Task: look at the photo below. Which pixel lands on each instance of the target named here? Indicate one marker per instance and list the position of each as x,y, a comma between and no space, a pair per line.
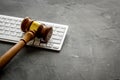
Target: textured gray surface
91,50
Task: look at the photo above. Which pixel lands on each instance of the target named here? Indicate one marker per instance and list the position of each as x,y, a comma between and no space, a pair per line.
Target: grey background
91,50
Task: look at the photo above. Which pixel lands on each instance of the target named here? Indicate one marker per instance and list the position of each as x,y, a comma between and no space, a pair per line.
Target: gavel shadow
27,51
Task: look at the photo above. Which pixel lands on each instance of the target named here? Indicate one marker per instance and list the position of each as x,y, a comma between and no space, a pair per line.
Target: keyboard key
1,31
7,29
56,46
19,34
1,27
56,37
60,30
12,29
55,41
49,45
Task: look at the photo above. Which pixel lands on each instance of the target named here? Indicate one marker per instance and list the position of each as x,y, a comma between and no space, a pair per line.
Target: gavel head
41,30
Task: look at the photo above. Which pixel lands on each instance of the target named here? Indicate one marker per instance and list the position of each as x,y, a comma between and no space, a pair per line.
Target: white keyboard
10,31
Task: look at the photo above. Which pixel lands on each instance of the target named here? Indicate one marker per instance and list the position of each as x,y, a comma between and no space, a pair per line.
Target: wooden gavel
32,29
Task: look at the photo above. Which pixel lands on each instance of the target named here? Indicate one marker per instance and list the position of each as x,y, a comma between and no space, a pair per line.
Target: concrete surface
91,50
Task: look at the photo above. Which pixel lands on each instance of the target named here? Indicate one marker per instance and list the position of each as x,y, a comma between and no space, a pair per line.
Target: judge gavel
32,29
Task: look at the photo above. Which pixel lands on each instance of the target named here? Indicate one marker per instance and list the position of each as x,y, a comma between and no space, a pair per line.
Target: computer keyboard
10,31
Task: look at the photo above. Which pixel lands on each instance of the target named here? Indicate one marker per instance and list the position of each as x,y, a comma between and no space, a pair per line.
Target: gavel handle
6,57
